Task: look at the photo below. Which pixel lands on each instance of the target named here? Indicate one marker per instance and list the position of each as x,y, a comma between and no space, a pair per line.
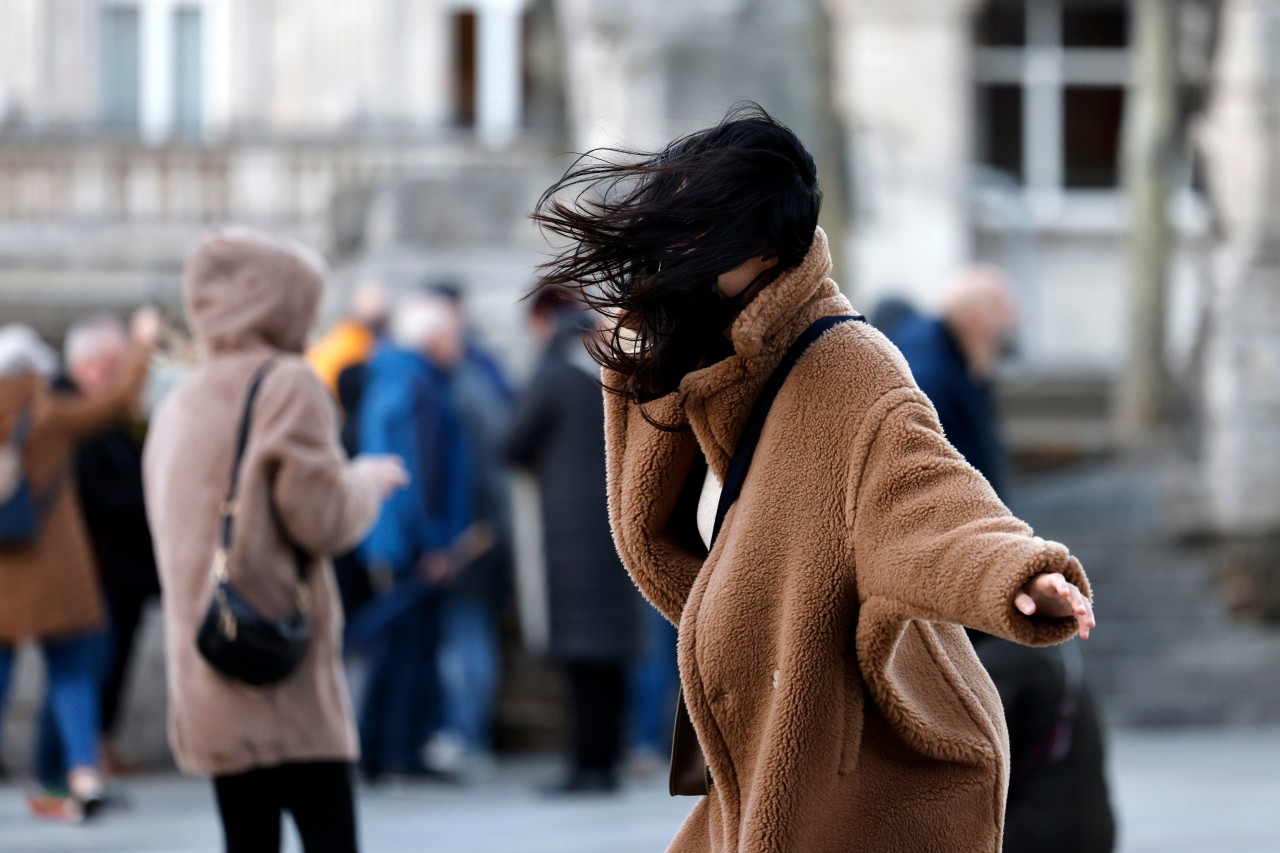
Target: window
121,71
464,68
187,70
1051,84
153,73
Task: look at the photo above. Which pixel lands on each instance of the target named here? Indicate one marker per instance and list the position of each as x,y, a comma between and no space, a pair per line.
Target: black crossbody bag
690,775
234,638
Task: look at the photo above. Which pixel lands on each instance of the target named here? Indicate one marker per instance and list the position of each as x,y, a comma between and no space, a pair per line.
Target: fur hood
834,691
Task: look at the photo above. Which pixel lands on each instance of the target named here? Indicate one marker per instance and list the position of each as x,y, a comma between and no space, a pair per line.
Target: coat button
777,677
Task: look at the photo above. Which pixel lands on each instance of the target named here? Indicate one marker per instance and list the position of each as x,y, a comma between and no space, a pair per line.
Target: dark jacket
483,402
1058,798
109,474
966,406
558,435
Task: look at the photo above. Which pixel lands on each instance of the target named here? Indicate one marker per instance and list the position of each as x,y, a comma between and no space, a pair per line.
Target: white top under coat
708,502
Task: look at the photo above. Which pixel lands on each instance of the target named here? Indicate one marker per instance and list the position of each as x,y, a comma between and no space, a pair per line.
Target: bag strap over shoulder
750,437
690,774
231,504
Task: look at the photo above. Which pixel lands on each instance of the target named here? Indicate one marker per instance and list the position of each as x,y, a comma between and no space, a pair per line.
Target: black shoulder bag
234,638
690,776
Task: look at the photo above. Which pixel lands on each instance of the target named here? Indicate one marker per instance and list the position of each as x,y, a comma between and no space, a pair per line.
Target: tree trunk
1150,129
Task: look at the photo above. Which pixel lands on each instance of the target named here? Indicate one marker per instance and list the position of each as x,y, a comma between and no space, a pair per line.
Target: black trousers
319,795
598,701
125,607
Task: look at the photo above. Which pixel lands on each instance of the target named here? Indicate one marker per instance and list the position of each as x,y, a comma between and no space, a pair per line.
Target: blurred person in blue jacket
421,537
1058,799
480,590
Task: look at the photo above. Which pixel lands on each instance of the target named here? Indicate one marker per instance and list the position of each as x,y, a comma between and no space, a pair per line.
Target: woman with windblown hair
823,660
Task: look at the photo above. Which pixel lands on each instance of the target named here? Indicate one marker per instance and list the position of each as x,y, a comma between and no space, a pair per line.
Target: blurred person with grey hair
1058,800
50,592
108,469
954,357
423,536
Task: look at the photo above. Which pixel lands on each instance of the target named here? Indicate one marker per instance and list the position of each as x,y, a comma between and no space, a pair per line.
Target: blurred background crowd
1064,207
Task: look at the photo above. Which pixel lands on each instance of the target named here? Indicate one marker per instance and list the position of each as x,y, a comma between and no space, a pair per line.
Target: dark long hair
647,234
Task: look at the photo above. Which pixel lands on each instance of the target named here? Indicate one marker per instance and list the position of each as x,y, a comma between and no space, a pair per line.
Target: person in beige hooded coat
838,701
288,747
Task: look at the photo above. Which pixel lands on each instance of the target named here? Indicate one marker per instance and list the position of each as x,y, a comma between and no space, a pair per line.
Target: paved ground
1177,792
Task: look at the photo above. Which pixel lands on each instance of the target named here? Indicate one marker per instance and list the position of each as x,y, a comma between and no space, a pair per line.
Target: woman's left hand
1053,596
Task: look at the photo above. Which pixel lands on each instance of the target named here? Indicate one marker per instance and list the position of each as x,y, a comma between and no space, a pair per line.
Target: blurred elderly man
954,359
418,543
109,475
1058,799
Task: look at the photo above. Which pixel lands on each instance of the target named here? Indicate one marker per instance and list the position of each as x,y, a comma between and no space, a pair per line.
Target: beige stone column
1241,141
615,74
903,89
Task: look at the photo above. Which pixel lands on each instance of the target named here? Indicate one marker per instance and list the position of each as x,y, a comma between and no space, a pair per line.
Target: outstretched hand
1053,596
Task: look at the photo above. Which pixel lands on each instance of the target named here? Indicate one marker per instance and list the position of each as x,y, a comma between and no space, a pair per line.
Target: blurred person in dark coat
109,476
596,613
421,537
1058,796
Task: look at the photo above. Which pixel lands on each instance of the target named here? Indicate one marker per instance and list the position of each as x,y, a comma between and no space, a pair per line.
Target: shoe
584,783
54,805
87,791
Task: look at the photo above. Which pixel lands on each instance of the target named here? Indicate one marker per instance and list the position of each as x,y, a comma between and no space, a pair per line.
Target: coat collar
717,399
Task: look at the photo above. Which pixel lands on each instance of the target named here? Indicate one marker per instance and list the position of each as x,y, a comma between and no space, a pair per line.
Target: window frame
1044,68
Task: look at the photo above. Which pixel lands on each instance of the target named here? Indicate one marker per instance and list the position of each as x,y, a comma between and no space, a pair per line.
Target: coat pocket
911,672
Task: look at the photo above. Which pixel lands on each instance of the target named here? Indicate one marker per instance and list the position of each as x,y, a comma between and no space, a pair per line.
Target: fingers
1052,595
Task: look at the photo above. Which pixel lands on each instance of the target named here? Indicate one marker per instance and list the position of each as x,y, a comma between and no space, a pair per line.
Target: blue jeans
69,725
51,759
469,662
655,678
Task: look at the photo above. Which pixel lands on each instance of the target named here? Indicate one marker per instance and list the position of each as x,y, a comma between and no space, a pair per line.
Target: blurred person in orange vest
352,339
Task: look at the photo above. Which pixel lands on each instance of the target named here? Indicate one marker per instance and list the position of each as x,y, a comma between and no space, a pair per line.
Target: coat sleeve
388,426
79,415
323,503
930,539
646,468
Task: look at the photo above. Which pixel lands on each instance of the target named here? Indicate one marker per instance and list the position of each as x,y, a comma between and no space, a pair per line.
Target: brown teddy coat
247,301
840,705
49,588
